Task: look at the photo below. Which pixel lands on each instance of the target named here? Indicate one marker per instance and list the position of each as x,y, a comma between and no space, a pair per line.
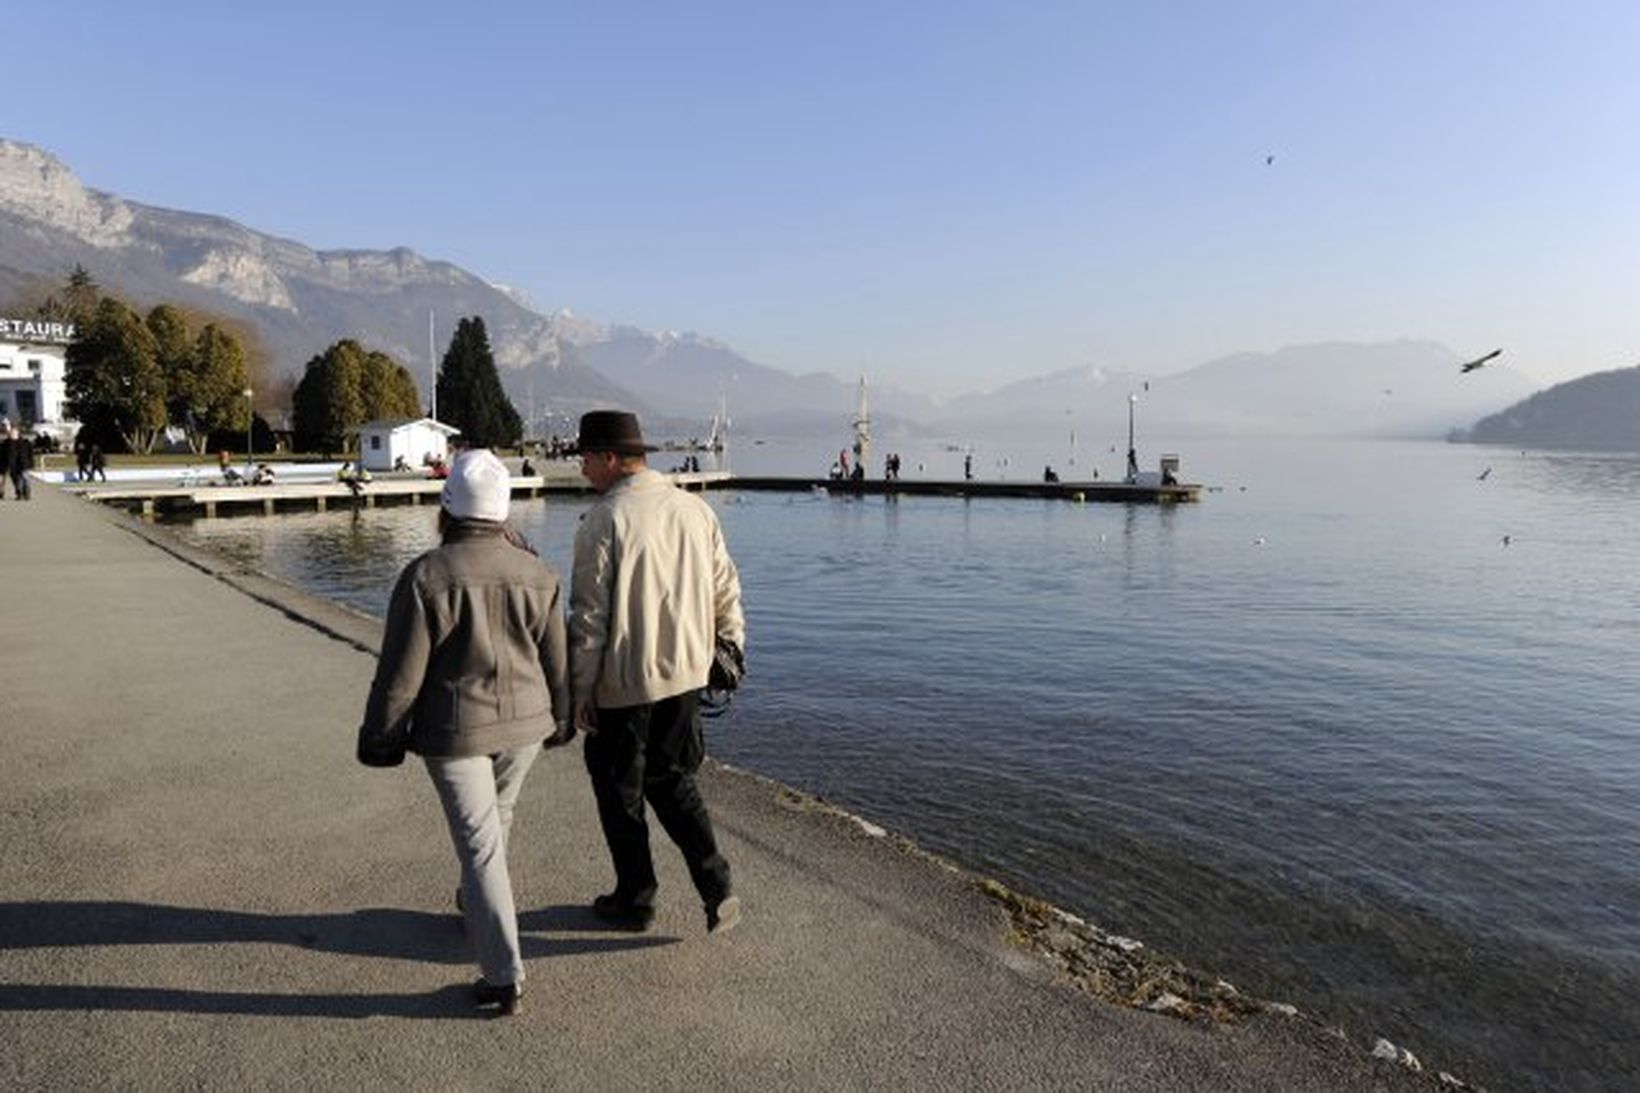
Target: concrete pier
157,500
199,888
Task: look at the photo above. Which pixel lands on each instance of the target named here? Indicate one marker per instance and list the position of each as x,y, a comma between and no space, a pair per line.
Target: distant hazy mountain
688,374
1592,413
1398,389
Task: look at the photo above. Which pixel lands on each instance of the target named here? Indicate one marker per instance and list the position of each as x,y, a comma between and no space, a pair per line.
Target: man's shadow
375,931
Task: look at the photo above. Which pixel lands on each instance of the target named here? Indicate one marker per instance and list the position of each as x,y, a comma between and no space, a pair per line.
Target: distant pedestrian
472,678
19,461
652,591
6,446
968,467
99,466
82,460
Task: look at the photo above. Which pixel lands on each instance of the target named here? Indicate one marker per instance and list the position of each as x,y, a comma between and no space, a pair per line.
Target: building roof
393,425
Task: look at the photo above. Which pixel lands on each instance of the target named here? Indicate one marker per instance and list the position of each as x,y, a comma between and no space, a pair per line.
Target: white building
33,371
382,444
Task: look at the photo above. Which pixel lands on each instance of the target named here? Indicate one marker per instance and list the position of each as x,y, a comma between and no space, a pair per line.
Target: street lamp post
250,430
1133,454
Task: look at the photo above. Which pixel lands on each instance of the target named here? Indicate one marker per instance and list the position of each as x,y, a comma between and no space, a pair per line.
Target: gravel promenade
199,888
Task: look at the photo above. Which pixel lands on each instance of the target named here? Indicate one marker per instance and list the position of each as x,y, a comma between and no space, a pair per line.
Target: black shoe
722,916
506,997
622,914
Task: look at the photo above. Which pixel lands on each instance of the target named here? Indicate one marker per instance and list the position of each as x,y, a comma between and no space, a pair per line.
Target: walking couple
478,669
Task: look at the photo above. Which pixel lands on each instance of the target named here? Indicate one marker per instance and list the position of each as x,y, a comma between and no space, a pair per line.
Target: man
20,462
653,586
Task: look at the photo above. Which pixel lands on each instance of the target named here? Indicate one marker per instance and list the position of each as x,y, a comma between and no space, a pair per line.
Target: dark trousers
651,753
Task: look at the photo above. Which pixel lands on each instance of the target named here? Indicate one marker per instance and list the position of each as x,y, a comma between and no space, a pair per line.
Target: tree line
132,375
348,386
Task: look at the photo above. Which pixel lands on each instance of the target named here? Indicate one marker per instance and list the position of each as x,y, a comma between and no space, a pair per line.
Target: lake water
1323,733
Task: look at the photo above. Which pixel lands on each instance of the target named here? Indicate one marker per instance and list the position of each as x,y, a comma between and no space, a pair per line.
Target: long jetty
163,499
201,889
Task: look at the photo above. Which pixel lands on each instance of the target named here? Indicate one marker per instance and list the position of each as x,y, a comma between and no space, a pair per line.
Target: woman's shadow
375,932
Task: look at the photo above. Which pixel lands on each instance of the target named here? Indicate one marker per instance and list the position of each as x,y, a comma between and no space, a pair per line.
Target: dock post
369,500
148,508
319,503
210,510
415,497
267,506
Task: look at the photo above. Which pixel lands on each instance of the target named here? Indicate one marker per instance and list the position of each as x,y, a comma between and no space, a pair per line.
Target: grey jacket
473,659
653,585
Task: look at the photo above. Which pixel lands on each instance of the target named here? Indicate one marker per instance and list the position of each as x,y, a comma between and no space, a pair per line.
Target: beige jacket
473,656
653,585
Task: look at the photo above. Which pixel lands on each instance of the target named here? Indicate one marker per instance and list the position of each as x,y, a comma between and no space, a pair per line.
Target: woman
472,679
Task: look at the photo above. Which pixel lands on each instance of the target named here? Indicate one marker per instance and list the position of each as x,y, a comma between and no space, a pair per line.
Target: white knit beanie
479,487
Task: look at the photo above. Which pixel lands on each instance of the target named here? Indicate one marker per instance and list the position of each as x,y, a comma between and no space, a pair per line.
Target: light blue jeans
478,794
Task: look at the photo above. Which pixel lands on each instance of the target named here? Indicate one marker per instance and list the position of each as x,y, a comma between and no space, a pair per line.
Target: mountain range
556,364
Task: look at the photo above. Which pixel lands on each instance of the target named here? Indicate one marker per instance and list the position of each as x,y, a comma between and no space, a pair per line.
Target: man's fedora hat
612,431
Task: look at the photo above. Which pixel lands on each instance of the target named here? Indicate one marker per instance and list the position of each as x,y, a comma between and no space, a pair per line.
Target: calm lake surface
1323,733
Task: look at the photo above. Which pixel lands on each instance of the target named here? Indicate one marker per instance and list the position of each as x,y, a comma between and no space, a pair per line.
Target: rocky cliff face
35,185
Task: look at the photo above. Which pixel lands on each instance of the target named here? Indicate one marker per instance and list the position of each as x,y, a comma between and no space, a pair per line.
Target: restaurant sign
36,330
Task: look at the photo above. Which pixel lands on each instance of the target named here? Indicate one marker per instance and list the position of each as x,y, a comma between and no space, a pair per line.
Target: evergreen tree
81,297
328,405
388,390
216,386
469,390
174,350
75,303
115,385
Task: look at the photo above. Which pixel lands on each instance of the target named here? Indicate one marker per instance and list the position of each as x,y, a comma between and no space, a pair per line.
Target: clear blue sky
944,195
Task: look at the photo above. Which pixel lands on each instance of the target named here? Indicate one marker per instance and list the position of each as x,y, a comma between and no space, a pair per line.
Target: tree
80,297
76,302
216,386
328,404
387,389
174,350
469,390
115,385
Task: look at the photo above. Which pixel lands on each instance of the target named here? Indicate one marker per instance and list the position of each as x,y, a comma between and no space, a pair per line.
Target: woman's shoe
504,996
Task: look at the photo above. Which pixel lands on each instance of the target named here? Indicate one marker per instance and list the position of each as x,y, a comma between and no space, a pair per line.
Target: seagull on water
1470,366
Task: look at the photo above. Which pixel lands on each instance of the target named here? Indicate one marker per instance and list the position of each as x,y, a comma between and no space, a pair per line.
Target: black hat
612,431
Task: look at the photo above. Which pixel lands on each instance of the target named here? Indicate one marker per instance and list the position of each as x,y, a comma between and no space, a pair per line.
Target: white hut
382,444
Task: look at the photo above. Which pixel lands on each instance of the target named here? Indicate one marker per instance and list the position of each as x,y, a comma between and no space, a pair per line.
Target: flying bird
1470,366
1269,160
1482,476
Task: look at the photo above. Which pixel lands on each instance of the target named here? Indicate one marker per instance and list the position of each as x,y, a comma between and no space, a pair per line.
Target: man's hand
586,718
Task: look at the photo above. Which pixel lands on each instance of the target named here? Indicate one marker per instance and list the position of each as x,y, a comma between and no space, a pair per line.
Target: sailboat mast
432,362
862,430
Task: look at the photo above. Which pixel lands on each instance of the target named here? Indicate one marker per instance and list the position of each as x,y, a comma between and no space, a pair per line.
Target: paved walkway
200,888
